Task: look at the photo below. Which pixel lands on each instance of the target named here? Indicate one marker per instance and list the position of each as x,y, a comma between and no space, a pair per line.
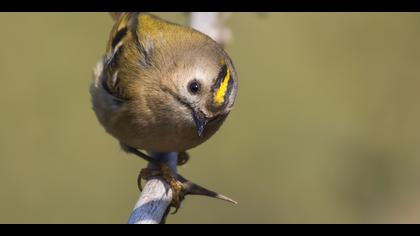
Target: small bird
162,87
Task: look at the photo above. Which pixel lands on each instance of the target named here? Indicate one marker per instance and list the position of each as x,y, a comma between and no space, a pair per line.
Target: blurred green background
326,127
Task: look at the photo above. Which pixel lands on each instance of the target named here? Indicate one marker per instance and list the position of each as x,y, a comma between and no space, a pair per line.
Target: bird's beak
200,122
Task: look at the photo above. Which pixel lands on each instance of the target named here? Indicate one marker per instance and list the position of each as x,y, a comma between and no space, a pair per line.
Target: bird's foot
167,174
179,185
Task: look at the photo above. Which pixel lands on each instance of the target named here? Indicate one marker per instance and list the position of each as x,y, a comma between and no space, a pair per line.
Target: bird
162,87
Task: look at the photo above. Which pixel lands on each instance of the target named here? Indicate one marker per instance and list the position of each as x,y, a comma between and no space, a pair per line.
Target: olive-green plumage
162,86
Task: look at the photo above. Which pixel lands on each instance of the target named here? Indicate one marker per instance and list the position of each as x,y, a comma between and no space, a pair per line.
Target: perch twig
156,196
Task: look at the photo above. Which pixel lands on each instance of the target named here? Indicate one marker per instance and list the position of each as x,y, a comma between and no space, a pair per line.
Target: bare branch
152,206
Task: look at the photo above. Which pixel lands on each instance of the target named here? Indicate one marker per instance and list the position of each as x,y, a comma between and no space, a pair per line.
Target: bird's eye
194,87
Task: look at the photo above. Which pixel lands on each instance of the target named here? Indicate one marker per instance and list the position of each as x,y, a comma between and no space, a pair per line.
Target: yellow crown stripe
219,97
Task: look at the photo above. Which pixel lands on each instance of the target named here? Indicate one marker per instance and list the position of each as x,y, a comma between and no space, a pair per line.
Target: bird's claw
179,185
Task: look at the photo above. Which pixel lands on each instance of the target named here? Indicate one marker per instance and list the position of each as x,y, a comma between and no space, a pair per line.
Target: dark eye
194,87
